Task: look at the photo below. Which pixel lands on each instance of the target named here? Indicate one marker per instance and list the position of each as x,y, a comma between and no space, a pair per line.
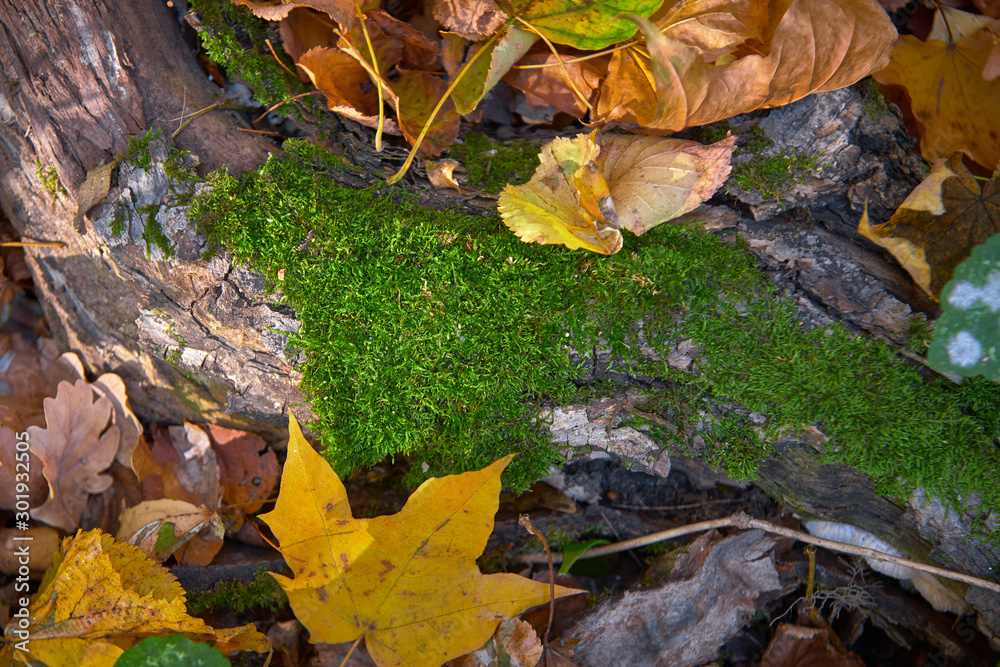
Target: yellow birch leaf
99,598
550,208
407,583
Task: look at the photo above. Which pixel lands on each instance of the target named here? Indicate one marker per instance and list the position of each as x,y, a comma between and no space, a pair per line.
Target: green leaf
172,651
967,337
583,24
573,552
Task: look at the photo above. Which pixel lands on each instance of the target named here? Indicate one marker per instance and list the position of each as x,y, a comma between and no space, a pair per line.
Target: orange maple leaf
407,583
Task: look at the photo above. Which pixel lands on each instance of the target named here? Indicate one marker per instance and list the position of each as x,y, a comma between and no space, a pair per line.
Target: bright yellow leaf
408,583
101,596
550,208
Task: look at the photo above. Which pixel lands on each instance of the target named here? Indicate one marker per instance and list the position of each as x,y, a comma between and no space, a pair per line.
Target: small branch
741,520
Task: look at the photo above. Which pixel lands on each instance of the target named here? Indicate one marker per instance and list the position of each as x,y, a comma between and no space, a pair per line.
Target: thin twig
525,521
741,520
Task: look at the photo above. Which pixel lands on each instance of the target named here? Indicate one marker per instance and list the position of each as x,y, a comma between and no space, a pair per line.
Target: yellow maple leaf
408,583
948,103
98,598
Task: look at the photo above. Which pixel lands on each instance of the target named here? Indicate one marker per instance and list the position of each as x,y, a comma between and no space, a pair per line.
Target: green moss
874,100
50,180
238,596
138,149
490,165
441,336
234,38
709,134
118,227
771,175
153,234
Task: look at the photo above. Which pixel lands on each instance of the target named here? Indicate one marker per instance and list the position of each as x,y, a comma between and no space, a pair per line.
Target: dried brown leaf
19,468
653,180
475,20
440,173
548,82
248,468
76,445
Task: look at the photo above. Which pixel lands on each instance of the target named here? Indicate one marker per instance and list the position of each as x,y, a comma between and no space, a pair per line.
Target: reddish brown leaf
248,468
475,20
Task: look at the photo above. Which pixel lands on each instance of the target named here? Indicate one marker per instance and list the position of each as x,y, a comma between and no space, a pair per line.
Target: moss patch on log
440,336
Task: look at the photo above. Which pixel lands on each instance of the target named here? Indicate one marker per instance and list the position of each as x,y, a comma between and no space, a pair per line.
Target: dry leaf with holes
101,597
939,224
75,447
407,583
248,469
161,527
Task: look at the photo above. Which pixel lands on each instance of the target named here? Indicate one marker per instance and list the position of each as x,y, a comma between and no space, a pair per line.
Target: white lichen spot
990,294
964,350
964,295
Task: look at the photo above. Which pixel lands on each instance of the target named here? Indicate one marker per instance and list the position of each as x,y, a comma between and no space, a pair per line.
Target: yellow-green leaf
584,25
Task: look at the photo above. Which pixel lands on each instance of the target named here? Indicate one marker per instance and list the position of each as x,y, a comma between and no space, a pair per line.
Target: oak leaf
75,447
941,88
100,596
407,583
939,223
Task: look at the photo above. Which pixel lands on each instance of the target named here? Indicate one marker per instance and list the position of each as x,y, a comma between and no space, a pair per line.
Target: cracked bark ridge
193,340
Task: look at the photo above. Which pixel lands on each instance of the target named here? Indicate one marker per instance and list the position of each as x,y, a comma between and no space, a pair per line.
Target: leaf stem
552,48
447,94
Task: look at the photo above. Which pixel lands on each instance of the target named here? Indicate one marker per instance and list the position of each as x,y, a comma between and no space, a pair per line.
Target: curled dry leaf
941,88
181,465
347,86
938,225
407,583
161,527
567,201
439,173
475,20
76,445
111,387
102,596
